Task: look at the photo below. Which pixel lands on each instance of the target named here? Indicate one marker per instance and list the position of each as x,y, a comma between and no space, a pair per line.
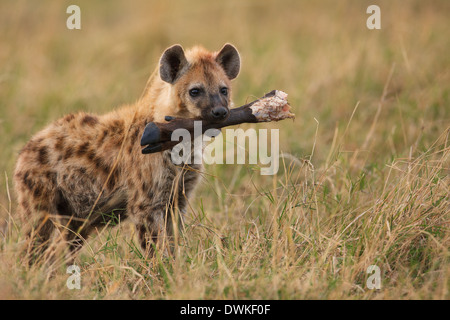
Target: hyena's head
201,80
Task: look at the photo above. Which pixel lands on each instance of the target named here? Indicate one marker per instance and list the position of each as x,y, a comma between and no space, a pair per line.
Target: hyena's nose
219,113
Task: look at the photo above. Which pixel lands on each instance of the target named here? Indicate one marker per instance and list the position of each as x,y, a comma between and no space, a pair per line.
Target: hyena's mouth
272,107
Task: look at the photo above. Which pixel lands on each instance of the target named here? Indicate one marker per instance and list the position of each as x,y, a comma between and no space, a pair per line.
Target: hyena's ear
229,59
172,63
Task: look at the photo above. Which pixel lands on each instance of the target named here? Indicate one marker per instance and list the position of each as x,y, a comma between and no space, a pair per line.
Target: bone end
272,108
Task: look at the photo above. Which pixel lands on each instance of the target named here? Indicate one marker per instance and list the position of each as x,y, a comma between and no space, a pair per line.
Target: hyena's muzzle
218,108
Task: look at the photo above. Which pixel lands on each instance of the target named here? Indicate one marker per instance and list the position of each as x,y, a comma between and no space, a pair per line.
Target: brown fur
83,167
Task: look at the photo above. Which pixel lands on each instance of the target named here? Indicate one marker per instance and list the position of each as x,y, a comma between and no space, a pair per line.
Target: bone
271,107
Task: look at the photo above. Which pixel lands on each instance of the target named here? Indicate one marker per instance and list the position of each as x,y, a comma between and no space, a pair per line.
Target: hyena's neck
158,98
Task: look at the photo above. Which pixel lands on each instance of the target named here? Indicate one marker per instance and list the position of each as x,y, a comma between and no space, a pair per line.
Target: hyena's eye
194,92
224,91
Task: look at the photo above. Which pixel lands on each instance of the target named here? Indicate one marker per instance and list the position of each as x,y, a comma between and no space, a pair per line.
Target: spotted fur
84,169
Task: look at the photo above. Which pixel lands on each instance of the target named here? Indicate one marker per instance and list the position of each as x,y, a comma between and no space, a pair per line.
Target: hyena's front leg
151,204
153,224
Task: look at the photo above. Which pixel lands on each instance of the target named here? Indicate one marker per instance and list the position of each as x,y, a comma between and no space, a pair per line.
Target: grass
365,179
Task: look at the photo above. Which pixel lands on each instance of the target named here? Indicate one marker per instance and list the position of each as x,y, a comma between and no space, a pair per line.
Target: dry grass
366,181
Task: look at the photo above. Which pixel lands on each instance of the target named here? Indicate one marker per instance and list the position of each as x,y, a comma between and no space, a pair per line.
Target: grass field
365,180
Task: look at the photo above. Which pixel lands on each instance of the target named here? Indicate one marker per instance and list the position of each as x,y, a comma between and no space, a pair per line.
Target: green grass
366,181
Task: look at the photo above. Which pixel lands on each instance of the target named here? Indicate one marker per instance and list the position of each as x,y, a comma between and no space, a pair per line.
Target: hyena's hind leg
37,209
76,234
39,226
78,231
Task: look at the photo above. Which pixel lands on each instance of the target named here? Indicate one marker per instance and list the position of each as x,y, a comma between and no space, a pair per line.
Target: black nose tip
220,112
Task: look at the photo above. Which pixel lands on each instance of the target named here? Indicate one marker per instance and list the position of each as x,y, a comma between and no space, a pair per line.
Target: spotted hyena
84,169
